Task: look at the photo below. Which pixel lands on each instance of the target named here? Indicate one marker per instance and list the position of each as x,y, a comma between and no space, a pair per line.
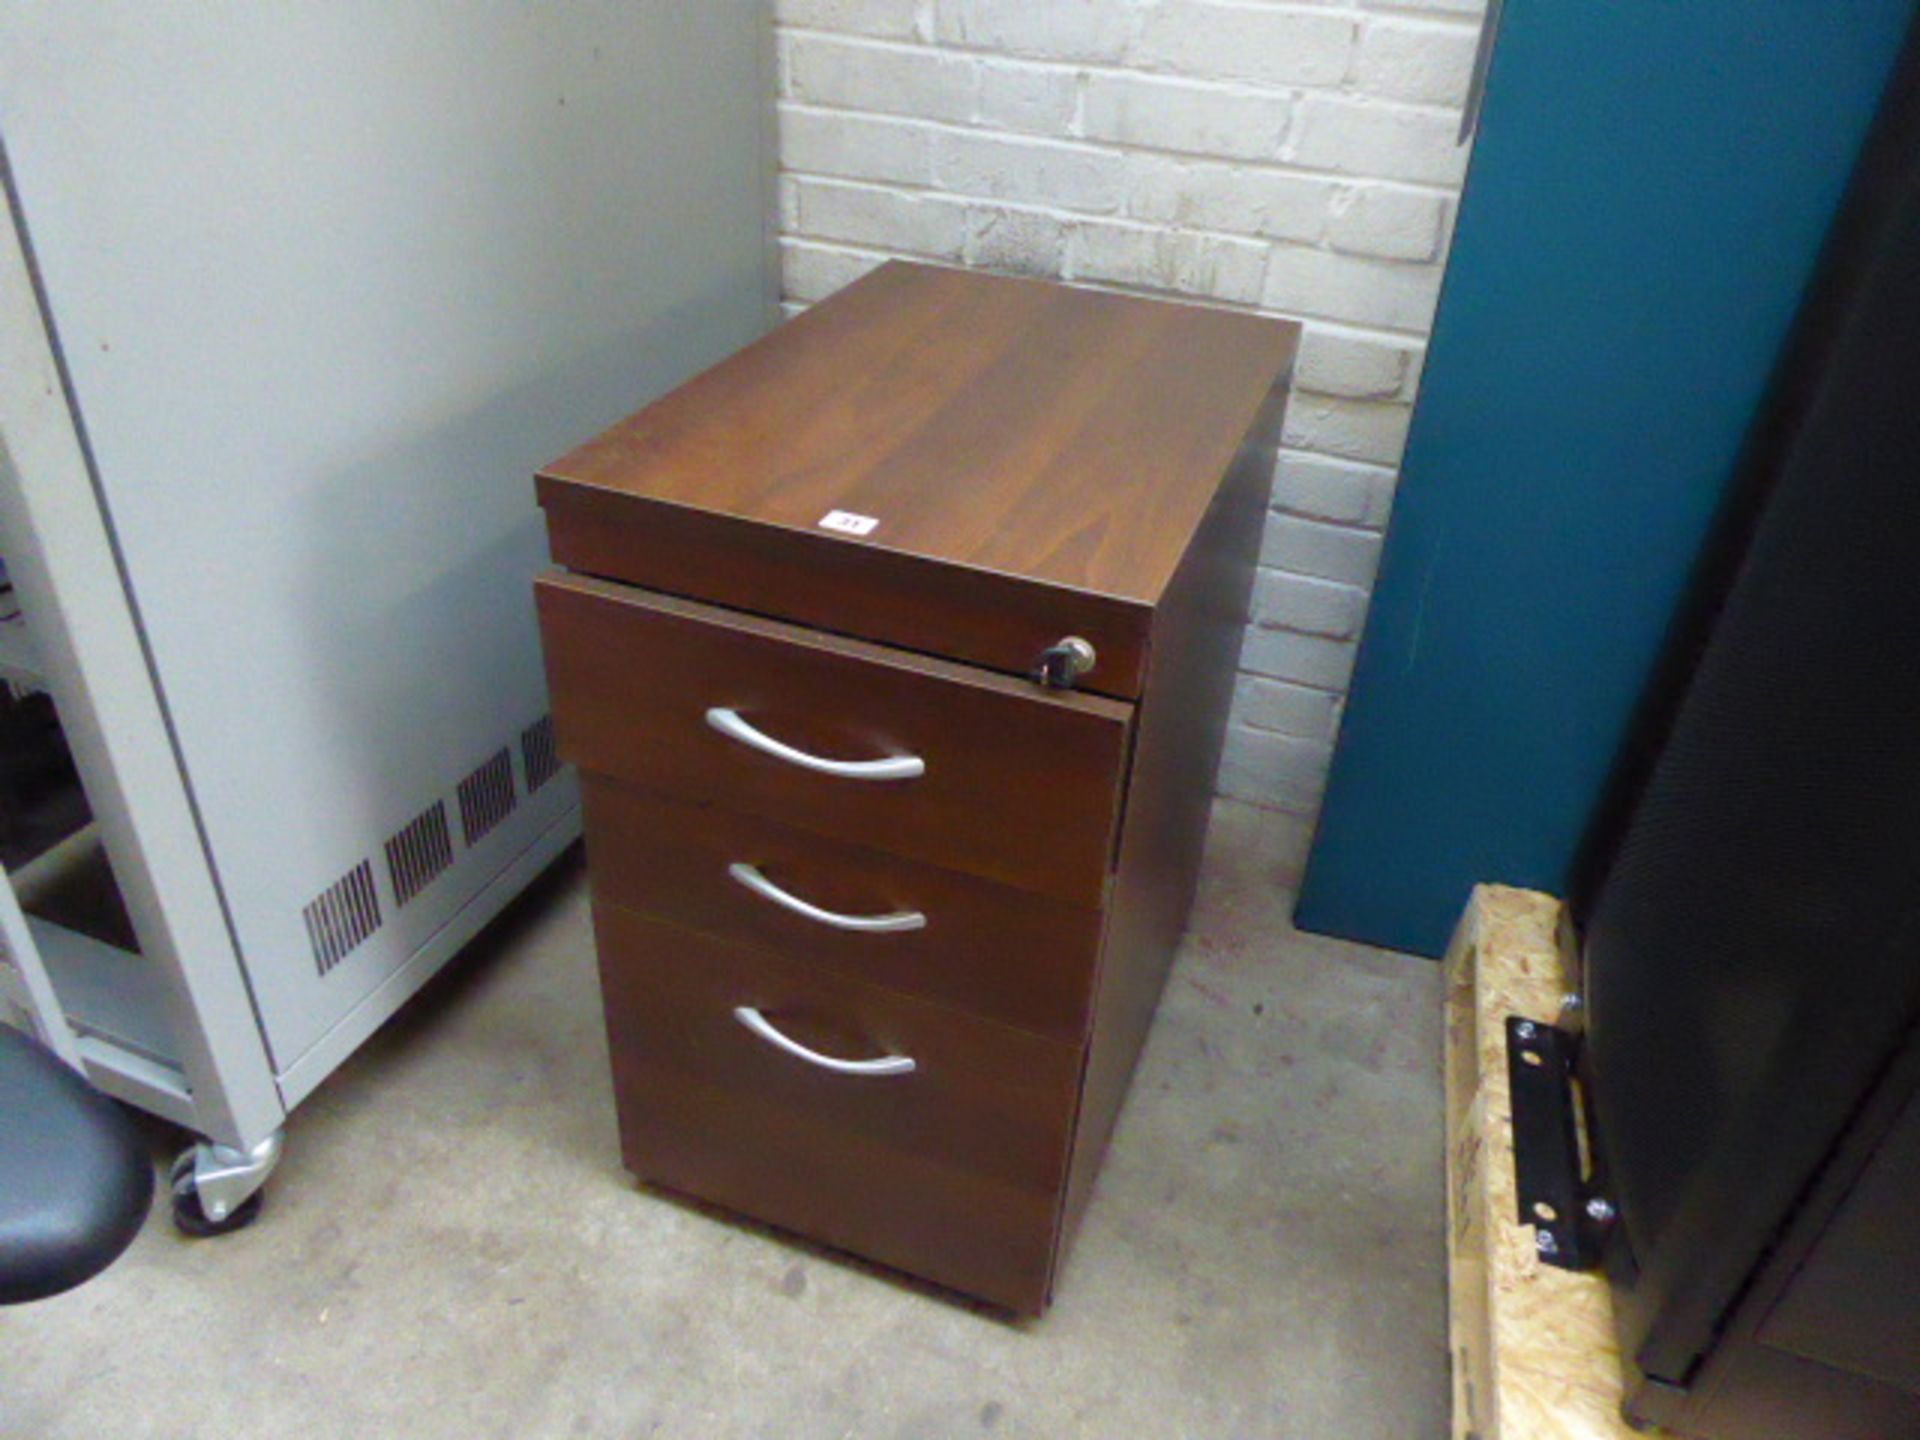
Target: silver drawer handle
897,767
750,877
761,1026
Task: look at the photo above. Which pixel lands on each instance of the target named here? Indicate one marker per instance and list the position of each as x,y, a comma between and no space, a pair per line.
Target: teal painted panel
1647,199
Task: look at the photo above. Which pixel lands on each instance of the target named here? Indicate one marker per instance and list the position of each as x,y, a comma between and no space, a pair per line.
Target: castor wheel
191,1218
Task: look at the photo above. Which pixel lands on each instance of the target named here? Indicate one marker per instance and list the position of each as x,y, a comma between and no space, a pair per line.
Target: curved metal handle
897,767
761,1026
760,885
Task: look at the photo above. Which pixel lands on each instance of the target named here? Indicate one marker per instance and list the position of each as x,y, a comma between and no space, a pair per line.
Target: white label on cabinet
848,523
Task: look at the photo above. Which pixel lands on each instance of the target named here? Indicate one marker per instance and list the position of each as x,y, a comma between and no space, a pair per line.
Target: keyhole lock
1064,662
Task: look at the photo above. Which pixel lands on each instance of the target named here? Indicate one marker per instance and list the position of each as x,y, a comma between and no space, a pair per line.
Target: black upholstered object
75,1181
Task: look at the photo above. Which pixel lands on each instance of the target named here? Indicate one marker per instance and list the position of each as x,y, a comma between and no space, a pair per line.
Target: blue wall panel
1647,199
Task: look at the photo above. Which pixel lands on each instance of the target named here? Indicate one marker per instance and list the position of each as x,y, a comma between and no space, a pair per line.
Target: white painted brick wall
1178,115
1295,157
1030,170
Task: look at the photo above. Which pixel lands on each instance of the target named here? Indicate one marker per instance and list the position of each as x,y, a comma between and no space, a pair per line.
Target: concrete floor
452,1249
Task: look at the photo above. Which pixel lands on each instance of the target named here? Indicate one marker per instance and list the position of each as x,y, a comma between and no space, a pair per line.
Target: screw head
1571,1001
1544,1242
1600,1208
1525,1030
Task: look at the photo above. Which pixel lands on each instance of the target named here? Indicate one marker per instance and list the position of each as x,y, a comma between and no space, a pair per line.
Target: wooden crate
1534,1355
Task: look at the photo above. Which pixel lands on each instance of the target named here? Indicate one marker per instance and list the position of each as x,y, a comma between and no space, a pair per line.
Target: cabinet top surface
1066,436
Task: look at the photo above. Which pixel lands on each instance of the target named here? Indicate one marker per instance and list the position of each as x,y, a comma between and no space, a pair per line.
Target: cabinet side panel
1822,1342
1855,1304
336,279
1181,726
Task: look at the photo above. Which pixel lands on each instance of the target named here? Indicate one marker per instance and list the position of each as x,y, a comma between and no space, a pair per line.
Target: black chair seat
75,1180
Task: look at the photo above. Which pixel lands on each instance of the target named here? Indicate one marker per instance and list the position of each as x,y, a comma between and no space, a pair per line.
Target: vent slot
419,852
341,916
487,796
538,754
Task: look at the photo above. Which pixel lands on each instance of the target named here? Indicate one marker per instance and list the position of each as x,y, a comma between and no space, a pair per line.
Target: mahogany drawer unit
895,654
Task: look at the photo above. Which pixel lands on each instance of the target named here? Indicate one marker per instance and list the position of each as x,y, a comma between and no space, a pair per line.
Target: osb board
1534,1356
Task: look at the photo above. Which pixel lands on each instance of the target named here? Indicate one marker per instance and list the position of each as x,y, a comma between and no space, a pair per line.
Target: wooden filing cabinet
884,895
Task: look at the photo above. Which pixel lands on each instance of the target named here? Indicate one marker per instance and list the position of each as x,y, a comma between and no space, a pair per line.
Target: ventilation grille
537,751
419,852
486,796
343,915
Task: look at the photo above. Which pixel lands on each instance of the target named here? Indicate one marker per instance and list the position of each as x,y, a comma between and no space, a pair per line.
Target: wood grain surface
1007,954
1037,462
1022,784
951,1172
1037,459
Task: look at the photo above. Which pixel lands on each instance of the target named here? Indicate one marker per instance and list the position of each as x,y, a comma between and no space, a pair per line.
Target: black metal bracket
1558,1193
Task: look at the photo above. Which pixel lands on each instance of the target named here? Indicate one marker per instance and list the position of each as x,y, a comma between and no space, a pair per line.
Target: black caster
191,1218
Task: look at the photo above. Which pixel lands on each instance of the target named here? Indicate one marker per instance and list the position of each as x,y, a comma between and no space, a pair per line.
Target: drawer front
951,1171
1008,954
885,749
817,578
